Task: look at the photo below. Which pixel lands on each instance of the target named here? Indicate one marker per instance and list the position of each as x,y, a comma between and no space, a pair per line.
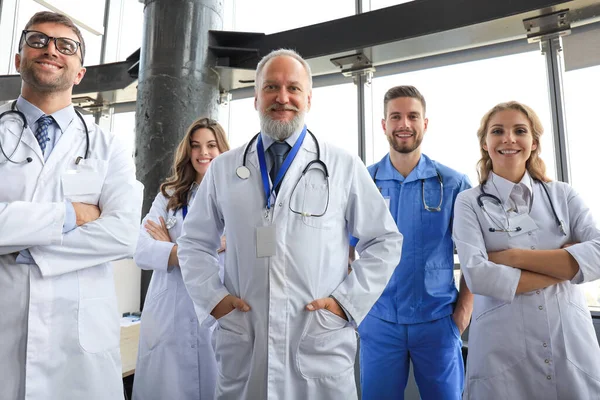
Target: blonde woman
176,359
525,244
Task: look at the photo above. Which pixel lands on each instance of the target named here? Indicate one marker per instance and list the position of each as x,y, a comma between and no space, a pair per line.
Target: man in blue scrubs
420,315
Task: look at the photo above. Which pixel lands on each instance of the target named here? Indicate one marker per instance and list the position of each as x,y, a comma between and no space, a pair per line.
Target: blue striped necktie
41,133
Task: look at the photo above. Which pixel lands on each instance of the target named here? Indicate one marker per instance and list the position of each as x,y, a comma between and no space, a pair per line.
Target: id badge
265,241
524,221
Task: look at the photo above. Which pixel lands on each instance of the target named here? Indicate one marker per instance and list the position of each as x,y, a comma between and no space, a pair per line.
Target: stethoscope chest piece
171,221
243,172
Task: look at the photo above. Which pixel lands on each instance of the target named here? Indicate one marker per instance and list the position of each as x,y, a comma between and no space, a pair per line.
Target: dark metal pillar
176,85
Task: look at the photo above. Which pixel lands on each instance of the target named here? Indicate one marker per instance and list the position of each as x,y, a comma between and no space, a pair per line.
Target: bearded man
287,307
420,316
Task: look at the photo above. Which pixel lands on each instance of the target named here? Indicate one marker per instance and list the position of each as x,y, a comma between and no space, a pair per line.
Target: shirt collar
504,187
62,117
425,169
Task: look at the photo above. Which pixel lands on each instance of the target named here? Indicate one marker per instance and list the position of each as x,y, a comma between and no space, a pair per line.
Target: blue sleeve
70,217
353,241
465,184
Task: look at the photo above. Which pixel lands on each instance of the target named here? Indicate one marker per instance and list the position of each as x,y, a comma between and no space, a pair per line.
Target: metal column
552,49
176,85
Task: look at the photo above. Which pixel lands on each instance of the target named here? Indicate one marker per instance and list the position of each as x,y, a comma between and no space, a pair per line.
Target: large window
582,104
458,96
270,16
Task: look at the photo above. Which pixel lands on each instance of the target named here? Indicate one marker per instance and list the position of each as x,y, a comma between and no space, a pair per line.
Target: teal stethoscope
427,207
13,110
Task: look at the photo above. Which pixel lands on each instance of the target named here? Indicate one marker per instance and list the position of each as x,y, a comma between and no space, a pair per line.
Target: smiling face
405,124
204,148
283,97
46,70
509,143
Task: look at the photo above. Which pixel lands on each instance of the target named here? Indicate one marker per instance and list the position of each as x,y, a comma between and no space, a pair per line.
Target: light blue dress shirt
62,119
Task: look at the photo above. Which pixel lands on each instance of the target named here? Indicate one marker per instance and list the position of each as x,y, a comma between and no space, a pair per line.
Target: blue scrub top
422,287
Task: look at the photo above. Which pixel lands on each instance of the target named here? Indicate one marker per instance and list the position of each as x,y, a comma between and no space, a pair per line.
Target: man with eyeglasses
69,205
420,316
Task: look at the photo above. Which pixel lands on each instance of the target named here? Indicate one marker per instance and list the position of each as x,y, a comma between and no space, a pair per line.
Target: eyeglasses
39,40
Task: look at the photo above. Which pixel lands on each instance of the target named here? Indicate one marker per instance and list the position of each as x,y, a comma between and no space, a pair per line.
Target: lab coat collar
504,187
425,169
308,145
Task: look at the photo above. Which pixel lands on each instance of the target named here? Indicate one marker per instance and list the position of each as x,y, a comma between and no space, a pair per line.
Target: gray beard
280,130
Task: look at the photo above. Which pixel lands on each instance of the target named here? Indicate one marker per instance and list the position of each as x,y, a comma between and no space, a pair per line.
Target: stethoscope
427,207
495,199
13,110
244,173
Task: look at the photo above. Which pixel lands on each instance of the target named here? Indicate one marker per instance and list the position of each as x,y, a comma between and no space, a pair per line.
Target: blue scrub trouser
434,348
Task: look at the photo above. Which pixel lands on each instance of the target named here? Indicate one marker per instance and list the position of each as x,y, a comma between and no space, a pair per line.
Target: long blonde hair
176,187
534,165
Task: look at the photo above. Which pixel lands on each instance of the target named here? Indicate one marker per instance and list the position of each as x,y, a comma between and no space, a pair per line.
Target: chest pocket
84,184
317,201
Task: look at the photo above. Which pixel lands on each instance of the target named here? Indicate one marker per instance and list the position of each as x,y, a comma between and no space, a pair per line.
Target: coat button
547,361
545,344
532,247
541,307
537,291
548,377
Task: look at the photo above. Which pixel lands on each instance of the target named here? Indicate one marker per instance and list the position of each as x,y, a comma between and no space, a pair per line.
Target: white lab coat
59,330
176,359
535,345
278,350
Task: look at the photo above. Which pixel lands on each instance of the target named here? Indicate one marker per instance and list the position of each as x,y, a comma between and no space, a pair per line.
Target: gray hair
278,53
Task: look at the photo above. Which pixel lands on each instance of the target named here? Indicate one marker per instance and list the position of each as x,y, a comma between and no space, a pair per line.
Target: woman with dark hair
176,359
525,245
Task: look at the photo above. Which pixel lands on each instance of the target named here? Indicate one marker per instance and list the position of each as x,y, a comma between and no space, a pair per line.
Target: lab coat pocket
233,347
327,347
581,344
313,199
98,325
98,316
158,317
496,338
84,182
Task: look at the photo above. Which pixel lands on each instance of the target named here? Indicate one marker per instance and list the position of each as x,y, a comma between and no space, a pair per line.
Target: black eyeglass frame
47,42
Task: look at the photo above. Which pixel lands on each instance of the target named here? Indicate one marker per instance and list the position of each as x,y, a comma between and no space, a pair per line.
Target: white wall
128,285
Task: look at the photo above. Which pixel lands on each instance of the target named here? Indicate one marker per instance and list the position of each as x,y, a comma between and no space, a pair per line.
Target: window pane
582,104
458,96
377,4
263,16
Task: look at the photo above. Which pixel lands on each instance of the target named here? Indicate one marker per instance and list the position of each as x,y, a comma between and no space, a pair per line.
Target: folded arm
111,237
152,253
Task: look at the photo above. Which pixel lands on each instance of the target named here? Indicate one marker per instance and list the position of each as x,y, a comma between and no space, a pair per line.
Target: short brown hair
402,91
43,17
534,165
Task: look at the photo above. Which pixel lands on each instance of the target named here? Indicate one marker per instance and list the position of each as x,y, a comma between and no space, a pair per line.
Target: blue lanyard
284,167
184,211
